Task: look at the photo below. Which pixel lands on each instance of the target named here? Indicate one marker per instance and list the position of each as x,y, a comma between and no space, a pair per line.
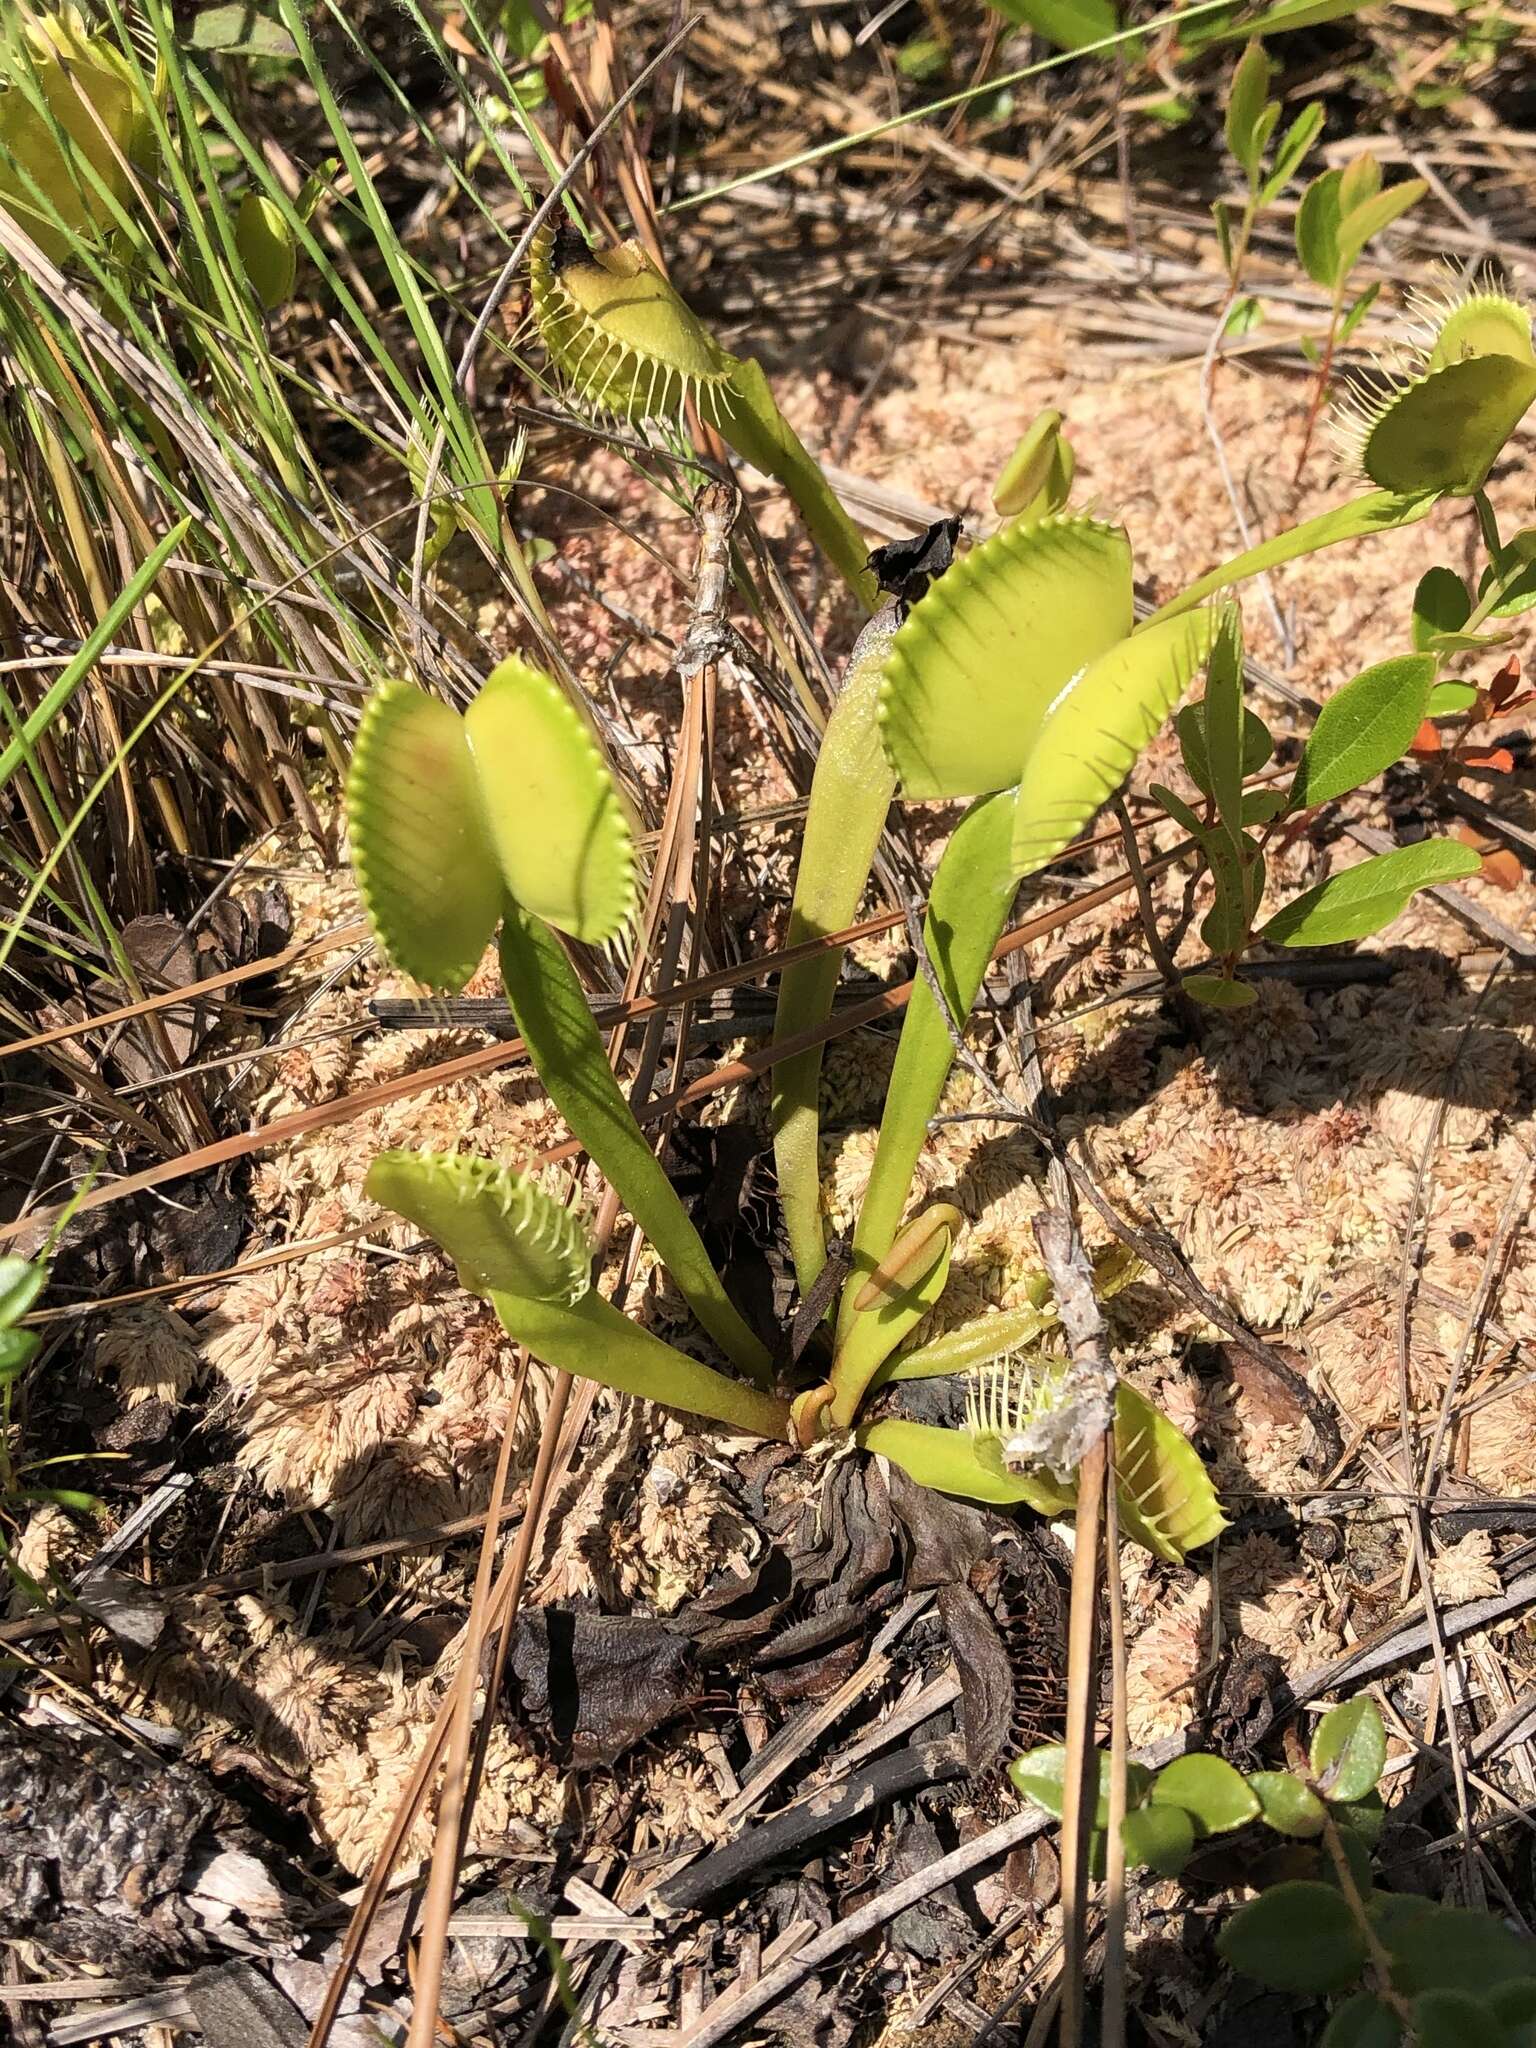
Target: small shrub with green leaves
1018,680
1399,1969
1252,119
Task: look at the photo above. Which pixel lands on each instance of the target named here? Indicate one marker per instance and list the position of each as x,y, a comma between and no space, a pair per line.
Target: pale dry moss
1163,1663
682,1529
152,1350
357,1787
1467,1570
52,1546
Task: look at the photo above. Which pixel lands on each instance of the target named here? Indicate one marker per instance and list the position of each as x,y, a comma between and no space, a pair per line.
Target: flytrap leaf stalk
1017,680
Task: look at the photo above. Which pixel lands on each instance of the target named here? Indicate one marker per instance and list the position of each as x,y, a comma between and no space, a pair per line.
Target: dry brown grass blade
1112,2030
455,1800
1080,1782
333,941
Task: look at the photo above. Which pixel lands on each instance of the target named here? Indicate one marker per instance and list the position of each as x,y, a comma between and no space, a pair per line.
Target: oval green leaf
1094,729
1446,699
1287,1805
1363,222
18,1348
1294,144
1366,898
1246,99
1039,1775
1514,2003
1317,229
1448,1948
1258,745
1364,727
420,851
1159,1838
21,1282
1455,2019
1363,1817
1216,1797
1349,1749
1362,2022
1441,604
1298,1937
556,820
502,1231
980,659
1217,993
1260,805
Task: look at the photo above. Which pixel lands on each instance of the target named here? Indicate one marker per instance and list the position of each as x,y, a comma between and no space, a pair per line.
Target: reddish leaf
1506,682
1478,841
1503,869
1499,759
1426,741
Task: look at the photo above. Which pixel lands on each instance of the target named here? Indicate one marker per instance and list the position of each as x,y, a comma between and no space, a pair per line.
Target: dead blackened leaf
740,1610
593,1685
945,1539
1033,1872
164,956
937,1927
907,567
810,1677
986,1676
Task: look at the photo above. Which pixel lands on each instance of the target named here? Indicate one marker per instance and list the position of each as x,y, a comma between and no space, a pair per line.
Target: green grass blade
105,631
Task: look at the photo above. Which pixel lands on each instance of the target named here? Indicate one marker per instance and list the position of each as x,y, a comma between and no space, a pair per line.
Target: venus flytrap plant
623,342
511,815
1017,679
73,135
